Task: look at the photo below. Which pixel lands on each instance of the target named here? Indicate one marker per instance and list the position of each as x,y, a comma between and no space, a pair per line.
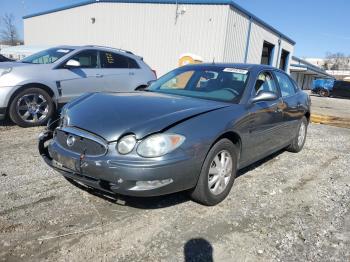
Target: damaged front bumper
115,174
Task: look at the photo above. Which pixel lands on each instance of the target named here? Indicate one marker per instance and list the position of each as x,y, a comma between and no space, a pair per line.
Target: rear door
73,82
292,109
117,76
265,120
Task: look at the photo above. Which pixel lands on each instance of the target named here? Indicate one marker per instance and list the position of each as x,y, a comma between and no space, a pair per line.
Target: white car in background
31,90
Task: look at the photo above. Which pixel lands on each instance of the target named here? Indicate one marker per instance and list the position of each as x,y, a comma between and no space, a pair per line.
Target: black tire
297,146
201,193
324,93
17,115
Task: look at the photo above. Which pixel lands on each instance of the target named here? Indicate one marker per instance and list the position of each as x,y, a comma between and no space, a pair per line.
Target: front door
86,78
265,120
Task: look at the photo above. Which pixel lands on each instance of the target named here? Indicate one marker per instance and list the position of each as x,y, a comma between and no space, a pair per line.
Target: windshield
213,83
47,56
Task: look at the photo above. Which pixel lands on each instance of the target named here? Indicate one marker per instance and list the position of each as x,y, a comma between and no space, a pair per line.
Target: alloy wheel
32,108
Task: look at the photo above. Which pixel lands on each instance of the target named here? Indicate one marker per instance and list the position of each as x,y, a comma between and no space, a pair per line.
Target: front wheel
217,174
31,107
300,138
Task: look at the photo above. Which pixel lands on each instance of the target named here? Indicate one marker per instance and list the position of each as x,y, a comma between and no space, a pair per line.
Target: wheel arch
31,85
140,87
234,137
308,116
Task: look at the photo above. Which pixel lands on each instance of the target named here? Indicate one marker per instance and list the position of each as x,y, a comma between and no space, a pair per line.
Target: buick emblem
70,140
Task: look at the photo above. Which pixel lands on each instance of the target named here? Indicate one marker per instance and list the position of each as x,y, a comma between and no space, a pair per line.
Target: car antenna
213,60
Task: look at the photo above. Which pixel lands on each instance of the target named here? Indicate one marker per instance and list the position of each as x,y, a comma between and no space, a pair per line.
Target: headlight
159,145
5,71
126,144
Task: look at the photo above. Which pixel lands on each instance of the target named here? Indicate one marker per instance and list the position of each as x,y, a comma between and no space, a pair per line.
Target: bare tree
8,31
337,61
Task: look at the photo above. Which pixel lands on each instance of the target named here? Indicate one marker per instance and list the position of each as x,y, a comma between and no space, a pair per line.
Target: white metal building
162,30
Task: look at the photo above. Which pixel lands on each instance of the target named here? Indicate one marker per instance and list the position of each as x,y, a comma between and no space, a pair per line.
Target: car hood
12,64
113,115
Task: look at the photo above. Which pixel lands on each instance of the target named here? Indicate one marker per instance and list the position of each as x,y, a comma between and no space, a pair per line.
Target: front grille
81,144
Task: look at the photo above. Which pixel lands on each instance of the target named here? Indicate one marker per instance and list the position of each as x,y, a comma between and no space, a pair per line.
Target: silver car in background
32,89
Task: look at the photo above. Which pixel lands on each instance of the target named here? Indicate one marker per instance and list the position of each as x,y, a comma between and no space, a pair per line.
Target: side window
87,59
265,82
286,85
132,63
113,60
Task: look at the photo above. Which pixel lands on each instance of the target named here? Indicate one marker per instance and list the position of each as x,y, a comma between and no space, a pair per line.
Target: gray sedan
190,130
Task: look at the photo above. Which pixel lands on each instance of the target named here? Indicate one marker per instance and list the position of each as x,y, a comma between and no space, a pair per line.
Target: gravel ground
289,207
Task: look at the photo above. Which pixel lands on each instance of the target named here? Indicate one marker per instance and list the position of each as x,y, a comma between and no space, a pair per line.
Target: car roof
105,48
249,67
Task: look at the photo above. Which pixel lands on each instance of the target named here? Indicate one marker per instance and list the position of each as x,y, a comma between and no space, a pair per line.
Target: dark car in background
5,59
329,87
190,130
341,89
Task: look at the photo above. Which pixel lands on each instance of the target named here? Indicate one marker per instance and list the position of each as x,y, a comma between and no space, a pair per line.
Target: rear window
113,60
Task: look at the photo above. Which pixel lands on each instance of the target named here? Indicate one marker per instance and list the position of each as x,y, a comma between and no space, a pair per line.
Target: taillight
155,73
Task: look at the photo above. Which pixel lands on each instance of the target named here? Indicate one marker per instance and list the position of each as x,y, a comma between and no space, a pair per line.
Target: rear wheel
217,174
324,93
31,107
299,140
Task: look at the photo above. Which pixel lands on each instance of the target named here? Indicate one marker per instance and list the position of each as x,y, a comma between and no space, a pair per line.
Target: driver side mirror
71,63
264,96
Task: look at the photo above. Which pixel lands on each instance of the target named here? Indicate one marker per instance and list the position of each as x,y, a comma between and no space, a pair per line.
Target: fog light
152,184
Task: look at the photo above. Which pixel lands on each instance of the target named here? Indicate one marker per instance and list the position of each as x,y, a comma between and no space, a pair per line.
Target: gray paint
261,128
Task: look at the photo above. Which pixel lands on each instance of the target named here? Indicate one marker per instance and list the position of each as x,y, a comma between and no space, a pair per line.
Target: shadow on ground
160,201
6,123
198,249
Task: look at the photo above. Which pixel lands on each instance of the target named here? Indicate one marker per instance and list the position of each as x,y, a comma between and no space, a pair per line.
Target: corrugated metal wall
259,34
236,36
149,30
214,32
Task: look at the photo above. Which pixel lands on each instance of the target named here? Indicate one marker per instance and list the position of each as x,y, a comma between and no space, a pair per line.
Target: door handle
131,73
99,75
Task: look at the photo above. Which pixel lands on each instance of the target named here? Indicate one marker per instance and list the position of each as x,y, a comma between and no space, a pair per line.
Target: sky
317,26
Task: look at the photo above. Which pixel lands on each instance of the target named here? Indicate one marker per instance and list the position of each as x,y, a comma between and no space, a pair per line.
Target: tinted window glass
265,82
87,59
221,84
286,85
113,60
132,63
